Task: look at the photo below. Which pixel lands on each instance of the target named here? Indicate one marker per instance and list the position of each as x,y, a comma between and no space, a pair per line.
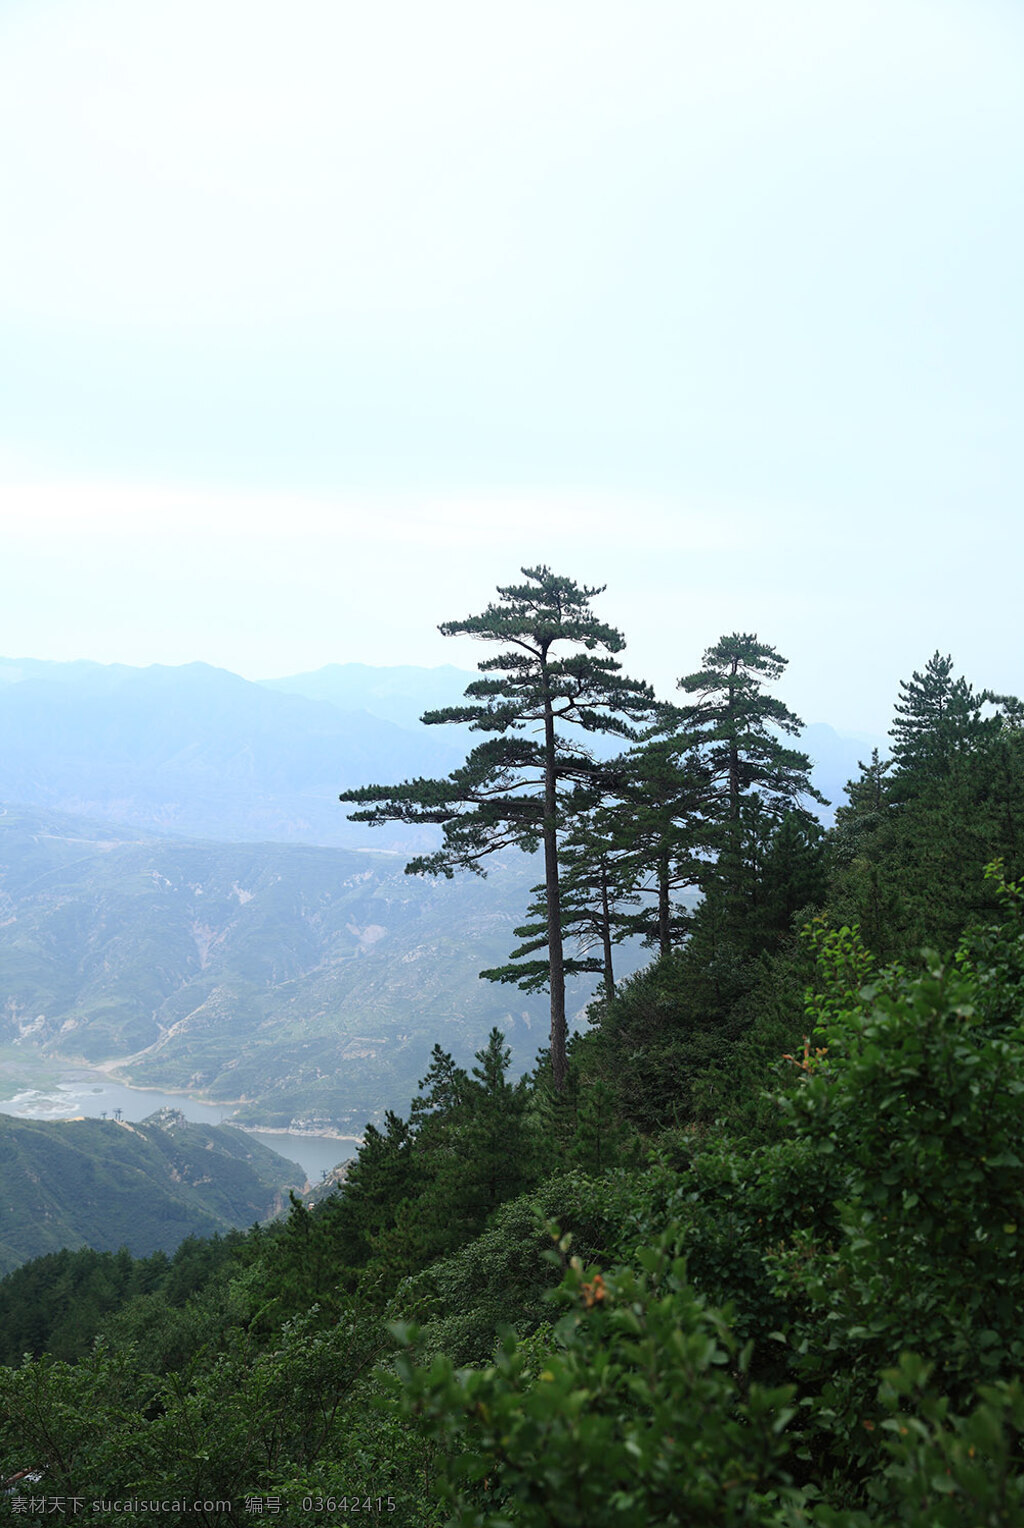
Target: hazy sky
318,320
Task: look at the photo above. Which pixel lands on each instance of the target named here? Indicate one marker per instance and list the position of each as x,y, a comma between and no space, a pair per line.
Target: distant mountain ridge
396,694
199,752
107,1184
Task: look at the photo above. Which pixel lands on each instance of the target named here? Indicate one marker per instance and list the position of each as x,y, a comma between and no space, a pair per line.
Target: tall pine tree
595,886
556,668
936,719
738,724
733,717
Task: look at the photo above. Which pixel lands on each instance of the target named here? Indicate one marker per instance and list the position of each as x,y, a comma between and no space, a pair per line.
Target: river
54,1090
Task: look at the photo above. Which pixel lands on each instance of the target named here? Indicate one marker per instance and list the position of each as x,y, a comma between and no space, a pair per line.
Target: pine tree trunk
734,751
606,935
664,930
556,982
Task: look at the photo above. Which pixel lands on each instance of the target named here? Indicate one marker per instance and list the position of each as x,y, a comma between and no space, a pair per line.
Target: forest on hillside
745,1251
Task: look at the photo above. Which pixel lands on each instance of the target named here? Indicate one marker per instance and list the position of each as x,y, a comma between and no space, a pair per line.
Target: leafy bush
634,1409
918,1096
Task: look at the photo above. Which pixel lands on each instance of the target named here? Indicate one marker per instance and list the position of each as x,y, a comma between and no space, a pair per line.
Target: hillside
107,1184
780,1189
309,982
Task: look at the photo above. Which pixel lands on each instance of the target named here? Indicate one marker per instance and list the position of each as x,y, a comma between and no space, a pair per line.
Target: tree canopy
516,788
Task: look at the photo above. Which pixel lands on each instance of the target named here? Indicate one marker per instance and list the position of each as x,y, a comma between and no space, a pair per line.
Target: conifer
935,719
515,789
737,725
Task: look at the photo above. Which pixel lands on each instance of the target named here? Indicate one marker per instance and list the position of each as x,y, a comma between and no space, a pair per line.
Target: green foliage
936,718
74,1422
417,1190
635,1409
59,1303
844,1241
992,955
919,1098
796,1208
789,879
474,1149
949,1470
503,1276
908,851
246,1419
659,1035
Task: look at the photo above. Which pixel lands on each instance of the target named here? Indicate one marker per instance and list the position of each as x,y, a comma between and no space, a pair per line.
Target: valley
36,1087
304,986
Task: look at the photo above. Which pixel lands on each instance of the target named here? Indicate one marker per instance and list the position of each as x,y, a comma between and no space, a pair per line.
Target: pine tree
472,1147
595,888
732,716
792,873
860,845
376,1223
868,795
936,718
658,824
496,1160
441,1092
384,1174
733,719
516,790
599,890
908,851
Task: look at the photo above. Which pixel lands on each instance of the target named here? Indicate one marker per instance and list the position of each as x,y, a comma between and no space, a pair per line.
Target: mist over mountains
200,752
399,695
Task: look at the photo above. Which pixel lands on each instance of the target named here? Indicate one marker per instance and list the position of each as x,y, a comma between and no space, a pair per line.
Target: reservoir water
66,1092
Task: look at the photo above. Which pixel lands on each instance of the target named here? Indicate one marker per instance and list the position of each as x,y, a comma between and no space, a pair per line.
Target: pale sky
319,320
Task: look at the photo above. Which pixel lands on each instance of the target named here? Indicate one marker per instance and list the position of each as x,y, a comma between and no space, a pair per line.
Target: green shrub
918,1096
634,1409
